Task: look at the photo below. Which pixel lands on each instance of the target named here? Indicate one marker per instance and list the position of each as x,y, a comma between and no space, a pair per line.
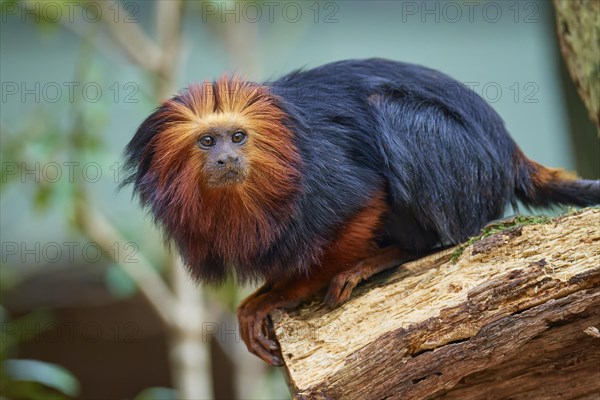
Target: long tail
537,185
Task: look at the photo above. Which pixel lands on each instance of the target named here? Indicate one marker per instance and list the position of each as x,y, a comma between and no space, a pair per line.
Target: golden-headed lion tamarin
326,176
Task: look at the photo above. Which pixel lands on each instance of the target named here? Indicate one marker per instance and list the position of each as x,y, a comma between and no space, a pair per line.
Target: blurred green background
93,305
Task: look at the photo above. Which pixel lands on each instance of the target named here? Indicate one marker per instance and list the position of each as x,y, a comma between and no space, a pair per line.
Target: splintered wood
515,316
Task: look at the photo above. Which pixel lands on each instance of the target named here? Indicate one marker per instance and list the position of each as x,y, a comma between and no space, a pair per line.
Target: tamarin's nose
229,158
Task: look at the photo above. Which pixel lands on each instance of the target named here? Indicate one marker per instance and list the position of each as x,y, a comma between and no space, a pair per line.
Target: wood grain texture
516,316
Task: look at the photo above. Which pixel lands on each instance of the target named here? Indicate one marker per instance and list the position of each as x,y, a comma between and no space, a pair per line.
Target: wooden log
514,314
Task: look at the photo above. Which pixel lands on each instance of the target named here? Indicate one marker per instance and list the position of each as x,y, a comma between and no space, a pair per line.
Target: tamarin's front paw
256,327
342,284
341,287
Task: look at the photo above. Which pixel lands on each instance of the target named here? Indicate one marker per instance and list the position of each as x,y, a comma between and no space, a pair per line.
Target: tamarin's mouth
226,177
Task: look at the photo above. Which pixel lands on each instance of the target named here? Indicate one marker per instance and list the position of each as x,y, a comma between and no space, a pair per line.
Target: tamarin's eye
238,137
207,141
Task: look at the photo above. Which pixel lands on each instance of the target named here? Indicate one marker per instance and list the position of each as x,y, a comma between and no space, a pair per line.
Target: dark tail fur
537,185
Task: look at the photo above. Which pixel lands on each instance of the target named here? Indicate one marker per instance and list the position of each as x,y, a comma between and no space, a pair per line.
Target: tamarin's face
223,150
214,136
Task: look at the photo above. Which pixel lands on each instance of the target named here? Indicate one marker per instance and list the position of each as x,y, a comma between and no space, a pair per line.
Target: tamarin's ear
139,151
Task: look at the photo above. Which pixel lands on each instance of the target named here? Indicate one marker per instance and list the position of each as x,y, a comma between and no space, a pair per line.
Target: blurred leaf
9,277
3,315
17,390
119,284
47,15
8,5
10,171
23,329
92,143
50,375
50,139
5,342
42,196
157,393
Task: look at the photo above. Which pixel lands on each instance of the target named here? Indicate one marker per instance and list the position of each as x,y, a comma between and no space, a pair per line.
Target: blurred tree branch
150,283
578,29
168,26
130,37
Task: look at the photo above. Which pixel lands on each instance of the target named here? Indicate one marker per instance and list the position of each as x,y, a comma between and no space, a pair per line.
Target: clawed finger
254,331
259,350
340,289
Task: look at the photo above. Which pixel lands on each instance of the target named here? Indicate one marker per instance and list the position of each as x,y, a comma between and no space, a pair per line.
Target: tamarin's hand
328,176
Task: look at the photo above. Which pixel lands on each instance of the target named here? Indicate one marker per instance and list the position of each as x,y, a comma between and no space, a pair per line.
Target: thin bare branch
132,39
190,360
168,27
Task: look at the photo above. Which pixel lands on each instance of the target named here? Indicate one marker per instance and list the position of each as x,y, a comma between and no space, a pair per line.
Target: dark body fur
442,153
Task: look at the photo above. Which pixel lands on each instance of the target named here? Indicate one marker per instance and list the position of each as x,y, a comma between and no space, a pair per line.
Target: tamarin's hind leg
342,284
253,313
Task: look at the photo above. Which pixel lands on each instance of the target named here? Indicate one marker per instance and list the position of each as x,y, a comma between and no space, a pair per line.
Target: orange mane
234,223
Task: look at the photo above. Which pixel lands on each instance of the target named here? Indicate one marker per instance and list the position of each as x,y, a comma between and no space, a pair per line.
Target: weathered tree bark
578,25
515,315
